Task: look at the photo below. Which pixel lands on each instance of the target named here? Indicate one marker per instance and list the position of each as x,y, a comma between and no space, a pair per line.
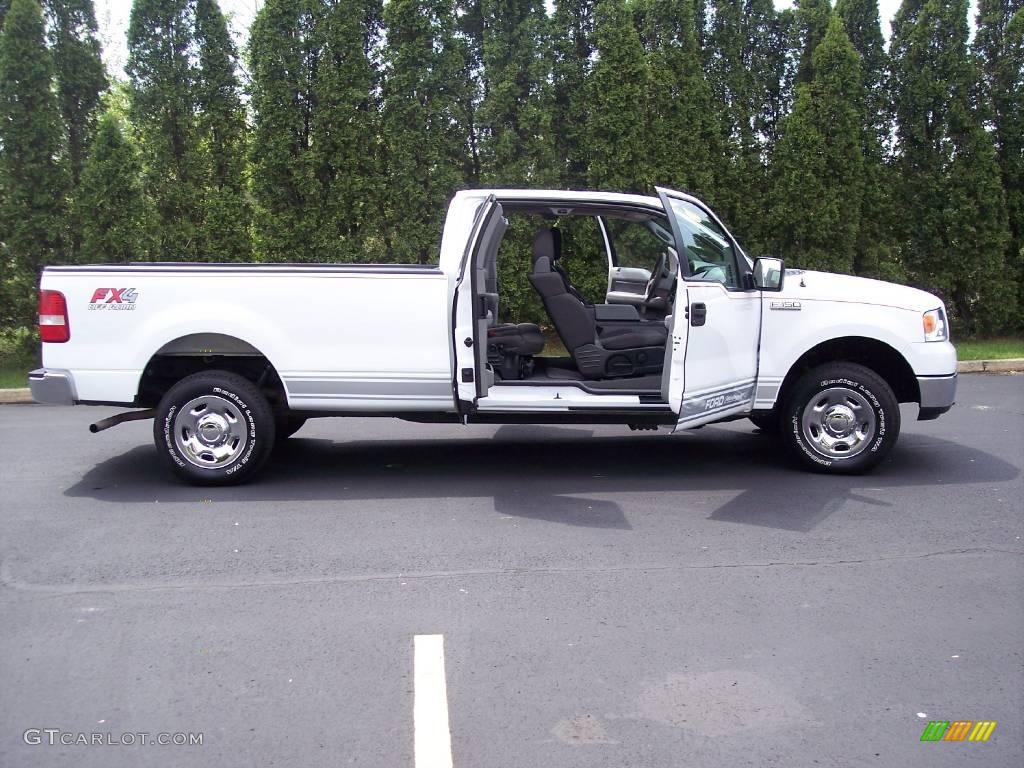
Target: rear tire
840,418
214,428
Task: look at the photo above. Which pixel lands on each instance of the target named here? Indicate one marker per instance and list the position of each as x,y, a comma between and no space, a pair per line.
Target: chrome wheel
210,432
838,422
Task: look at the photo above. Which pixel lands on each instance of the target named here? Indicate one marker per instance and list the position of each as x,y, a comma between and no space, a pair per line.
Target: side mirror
768,274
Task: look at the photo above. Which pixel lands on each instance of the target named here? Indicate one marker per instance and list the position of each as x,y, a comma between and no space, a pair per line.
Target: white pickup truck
228,358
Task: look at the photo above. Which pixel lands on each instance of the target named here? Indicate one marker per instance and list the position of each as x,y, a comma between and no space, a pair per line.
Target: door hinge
467,376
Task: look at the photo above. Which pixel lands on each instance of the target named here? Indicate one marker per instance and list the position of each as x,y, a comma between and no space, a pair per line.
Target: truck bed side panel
340,338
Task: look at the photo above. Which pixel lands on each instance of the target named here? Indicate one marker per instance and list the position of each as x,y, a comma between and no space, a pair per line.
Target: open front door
714,356
470,311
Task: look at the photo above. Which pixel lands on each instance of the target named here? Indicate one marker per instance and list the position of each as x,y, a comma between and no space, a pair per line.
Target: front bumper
938,394
52,387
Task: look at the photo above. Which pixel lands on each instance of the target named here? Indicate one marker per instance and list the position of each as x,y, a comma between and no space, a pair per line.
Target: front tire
214,428
840,418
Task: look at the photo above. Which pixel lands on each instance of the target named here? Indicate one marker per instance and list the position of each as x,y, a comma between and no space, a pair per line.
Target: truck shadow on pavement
560,475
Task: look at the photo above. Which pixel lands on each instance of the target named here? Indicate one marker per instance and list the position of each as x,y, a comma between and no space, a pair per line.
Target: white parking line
433,742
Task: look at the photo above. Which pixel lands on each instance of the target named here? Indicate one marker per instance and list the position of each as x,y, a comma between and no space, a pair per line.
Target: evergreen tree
1000,46
685,133
573,51
185,103
618,140
81,79
818,165
314,154
110,202
33,173
950,198
284,60
875,256
516,147
470,36
424,138
811,22
222,129
745,61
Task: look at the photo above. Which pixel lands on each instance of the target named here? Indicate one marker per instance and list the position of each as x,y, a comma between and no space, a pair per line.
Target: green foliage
797,126
818,166
186,107
514,117
617,138
572,38
685,131
999,43
422,125
33,170
221,131
315,159
469,32
80,80
953,233
875,255
110,202
812,21
745,60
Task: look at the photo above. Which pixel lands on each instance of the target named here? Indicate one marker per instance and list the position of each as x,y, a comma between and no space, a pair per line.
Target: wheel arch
880,357
195,352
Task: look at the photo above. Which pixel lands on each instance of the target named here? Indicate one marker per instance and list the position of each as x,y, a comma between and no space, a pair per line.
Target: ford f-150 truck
228,358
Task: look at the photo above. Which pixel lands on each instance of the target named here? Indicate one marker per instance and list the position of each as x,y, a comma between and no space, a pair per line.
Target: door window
709,251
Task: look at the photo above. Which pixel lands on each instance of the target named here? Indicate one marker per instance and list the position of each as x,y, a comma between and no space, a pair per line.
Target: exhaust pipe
113,421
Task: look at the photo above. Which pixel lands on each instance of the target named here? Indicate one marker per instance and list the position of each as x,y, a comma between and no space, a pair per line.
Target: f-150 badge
113,299
792,305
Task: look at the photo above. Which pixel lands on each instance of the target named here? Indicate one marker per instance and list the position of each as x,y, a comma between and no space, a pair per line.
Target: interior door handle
698,313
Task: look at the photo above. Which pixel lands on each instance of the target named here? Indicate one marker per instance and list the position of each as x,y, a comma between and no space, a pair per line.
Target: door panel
628,280
719,351
470,375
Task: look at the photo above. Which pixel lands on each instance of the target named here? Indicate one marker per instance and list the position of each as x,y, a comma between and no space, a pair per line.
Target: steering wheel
656,277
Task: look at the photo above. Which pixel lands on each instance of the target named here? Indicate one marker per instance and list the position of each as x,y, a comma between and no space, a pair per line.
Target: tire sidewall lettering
243,407
876,406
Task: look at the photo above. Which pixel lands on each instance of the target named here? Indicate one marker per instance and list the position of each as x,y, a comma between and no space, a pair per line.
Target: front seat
623,349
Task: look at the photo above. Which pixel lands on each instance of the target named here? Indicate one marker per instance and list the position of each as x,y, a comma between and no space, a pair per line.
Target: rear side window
638,243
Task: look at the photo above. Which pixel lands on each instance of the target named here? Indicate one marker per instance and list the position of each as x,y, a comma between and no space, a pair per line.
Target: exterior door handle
698,313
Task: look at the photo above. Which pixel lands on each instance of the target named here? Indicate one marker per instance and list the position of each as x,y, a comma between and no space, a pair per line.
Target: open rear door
471,375
714,356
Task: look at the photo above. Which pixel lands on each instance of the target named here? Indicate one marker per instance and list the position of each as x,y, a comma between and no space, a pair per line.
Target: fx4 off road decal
113,299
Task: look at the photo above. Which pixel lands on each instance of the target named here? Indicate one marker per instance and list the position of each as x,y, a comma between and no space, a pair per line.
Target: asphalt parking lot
605,598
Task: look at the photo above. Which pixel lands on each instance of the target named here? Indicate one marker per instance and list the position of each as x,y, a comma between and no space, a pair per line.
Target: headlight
935,326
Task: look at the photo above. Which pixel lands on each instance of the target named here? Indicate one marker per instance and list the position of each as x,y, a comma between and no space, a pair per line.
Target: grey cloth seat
622,349
518,339
640,335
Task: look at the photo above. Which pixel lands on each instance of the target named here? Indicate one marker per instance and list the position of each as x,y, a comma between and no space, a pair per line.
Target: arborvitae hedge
810,135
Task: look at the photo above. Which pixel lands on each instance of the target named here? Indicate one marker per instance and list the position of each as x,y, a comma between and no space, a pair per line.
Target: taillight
53,317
